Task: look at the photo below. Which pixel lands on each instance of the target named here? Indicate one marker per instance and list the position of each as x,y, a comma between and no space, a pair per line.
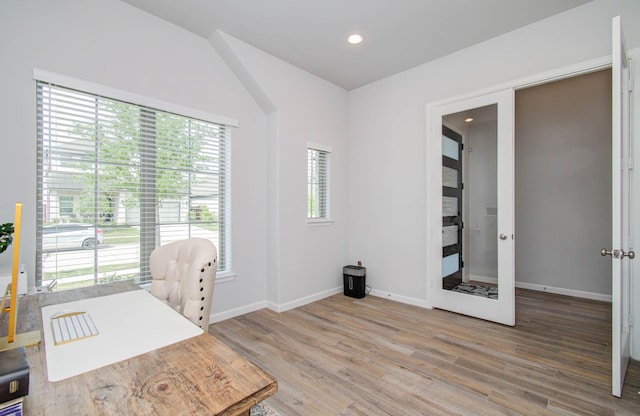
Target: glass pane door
471,229
451,208
479,198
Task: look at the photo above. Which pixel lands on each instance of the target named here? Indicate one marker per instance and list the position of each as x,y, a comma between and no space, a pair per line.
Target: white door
621,239
445,261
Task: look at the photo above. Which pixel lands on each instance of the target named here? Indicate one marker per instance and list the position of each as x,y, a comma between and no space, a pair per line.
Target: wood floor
372,356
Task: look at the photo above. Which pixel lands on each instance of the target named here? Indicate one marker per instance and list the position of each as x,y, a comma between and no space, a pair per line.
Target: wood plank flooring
373,356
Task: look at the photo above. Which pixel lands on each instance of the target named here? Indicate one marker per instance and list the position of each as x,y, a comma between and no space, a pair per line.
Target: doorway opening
563,185
562,191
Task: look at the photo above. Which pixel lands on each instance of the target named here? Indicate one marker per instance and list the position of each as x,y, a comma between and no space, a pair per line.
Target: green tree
132,144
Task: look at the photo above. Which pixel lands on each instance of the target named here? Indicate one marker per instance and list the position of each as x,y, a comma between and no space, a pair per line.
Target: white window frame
324,218
163,106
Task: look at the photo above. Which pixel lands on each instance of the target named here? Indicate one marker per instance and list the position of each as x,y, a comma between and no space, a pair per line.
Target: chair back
183,276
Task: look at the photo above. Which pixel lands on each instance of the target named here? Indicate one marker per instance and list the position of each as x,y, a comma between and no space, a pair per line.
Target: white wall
387,132
113,44
307,259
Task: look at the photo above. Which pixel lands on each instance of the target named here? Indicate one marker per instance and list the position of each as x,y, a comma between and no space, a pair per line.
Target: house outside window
116,180
66,206
318,197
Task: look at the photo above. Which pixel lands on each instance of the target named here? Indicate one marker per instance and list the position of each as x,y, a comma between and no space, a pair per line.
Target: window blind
116,180
317,183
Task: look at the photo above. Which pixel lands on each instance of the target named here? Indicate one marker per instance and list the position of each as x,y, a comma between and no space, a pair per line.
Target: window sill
221,277
317,222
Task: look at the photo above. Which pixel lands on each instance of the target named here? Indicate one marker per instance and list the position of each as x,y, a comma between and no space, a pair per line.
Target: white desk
129,324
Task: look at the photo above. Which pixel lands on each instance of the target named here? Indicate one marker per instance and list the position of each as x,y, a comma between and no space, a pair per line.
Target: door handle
631,254
617,253
503,236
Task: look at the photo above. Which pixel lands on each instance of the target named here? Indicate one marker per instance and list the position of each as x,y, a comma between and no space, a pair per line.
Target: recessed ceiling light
355,38
468,120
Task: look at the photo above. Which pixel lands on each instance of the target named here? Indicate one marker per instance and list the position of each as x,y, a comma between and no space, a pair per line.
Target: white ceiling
399,34
479,115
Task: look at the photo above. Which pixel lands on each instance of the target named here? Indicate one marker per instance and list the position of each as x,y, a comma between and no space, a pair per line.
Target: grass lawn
117,235
61,274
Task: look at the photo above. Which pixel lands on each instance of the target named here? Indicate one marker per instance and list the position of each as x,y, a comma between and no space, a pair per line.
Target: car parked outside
67,236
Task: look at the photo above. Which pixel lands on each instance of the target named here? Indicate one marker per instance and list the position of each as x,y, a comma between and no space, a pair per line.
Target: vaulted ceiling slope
399,34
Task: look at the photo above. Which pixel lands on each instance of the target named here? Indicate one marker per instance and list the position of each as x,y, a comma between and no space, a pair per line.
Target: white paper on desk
129,324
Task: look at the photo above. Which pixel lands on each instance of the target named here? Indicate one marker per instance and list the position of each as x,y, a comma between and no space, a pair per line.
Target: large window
318,182
115,180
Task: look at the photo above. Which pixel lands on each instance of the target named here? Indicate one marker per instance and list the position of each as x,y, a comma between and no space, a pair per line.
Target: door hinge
462,264
631,82
461,146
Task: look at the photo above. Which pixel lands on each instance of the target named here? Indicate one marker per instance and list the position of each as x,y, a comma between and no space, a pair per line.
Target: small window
66,205
318,182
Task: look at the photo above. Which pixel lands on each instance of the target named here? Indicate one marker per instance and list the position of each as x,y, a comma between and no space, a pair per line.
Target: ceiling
399,34
479,115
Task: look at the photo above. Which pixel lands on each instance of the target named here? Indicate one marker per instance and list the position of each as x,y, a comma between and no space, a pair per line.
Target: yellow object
14,273
28,338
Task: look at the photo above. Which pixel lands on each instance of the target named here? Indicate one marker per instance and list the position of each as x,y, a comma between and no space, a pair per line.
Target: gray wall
563,184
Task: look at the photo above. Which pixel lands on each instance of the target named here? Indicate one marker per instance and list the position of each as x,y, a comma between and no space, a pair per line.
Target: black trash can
354,281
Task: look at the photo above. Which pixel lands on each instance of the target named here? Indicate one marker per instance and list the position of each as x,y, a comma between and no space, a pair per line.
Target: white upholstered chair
183,276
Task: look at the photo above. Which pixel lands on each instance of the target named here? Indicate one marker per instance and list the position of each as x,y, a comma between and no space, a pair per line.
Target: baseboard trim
563,291
217,317
232,313
549,289
483,279
303,301
400,298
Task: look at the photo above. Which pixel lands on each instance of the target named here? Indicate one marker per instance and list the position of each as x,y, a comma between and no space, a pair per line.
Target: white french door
441,265
446,210
621,238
